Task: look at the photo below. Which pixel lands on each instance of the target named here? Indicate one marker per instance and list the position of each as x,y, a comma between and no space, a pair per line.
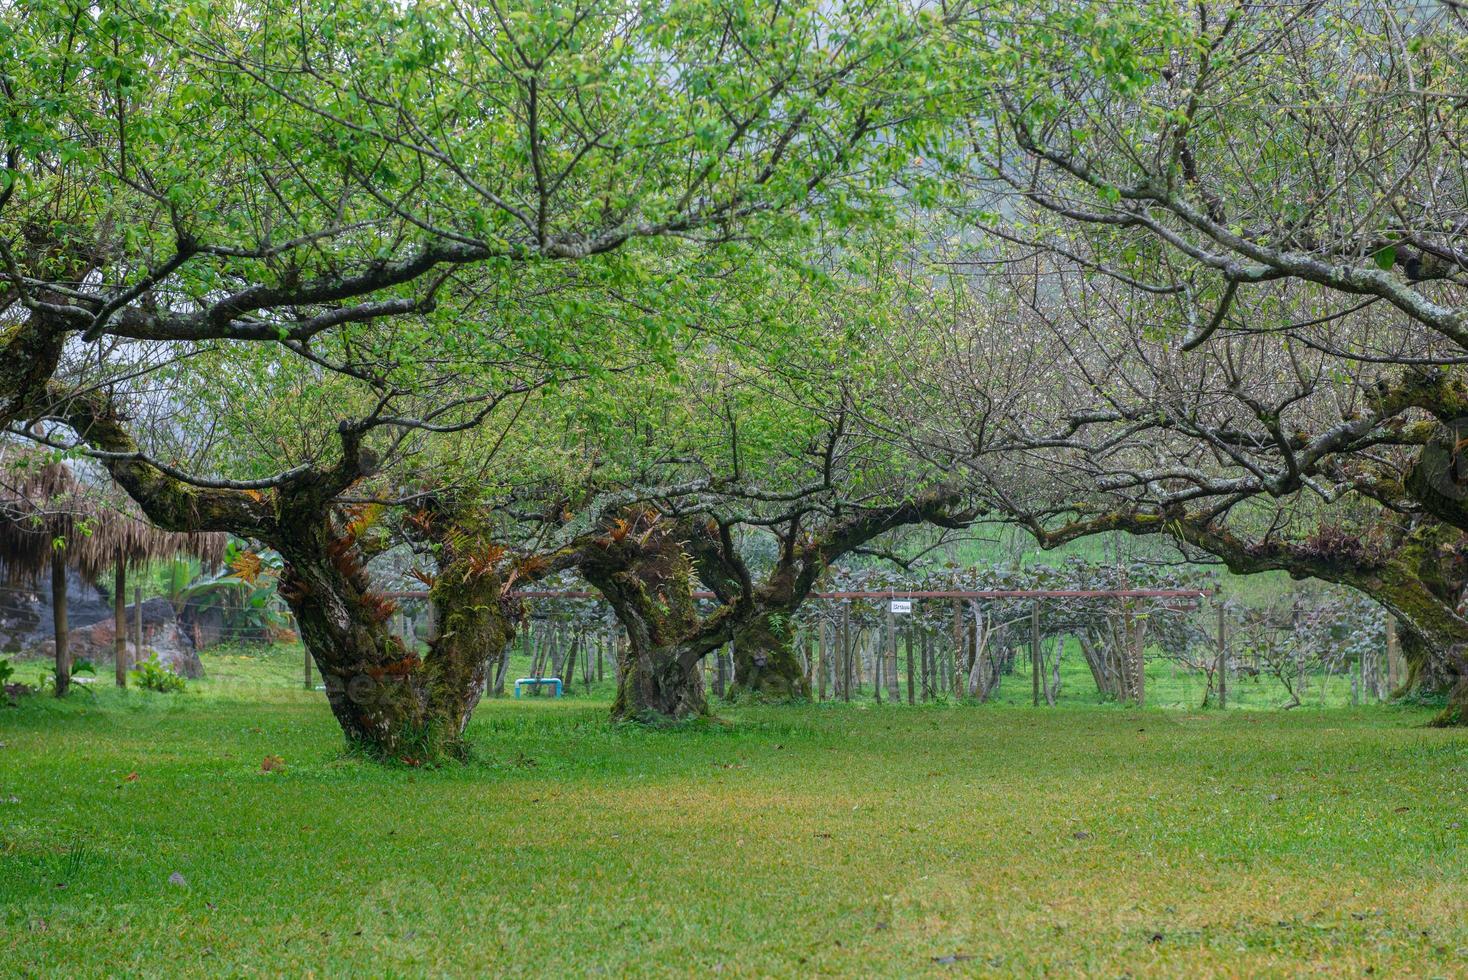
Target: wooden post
911,685
892,669
879,661
1222,658
119,619
58,620
1035,656
846,651
306,671
928,669
953,682
889,668
138,618
1368,675
1140,653
820,660
500,669
808,655
568,669
1394,666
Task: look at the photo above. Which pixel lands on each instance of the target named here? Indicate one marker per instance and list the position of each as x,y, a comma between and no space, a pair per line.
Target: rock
25,611
161,636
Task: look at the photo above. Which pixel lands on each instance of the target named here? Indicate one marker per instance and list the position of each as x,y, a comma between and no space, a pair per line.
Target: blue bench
538,682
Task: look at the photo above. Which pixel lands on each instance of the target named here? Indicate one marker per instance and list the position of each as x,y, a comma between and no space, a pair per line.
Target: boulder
25,610
161,636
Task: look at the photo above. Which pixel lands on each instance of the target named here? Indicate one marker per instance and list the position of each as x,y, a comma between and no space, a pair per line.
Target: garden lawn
139,835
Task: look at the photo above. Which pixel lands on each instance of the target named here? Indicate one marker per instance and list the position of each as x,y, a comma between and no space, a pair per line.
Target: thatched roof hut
42,500
43,504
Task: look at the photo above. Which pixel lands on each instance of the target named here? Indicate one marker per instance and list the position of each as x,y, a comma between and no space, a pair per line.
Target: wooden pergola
51,520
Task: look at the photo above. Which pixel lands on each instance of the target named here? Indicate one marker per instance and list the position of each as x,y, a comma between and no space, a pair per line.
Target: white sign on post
902,605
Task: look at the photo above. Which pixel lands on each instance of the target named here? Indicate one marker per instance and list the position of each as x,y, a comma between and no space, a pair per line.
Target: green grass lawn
828,839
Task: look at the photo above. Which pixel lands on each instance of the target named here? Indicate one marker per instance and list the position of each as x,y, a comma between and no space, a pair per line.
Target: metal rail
901,594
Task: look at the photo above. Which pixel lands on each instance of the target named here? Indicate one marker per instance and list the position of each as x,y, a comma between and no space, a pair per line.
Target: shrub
155,677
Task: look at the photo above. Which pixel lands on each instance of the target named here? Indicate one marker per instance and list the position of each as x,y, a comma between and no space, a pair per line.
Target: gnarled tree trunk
391,702
648,580
30,350
641,567
766,665
655,685
1420,577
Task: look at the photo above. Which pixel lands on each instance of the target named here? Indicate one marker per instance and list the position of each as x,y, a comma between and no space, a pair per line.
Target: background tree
475,207
1256,449
731,450
1256,345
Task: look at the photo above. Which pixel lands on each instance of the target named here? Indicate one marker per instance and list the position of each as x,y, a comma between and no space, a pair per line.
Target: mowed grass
830,839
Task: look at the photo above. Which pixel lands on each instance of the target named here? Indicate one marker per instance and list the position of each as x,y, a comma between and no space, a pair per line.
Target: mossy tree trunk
766,664
641,570
1418,576
1418,580
644,564
762,615
30,350
388,700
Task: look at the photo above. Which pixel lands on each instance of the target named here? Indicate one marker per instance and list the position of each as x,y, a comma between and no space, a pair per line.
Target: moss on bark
648,581
766,665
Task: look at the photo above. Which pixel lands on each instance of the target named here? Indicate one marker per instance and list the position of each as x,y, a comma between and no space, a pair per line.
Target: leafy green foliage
245,595
151,675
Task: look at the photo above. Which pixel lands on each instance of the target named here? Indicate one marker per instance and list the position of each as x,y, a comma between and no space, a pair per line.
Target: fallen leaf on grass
272,763
131,777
